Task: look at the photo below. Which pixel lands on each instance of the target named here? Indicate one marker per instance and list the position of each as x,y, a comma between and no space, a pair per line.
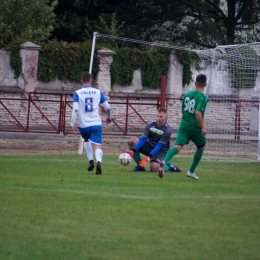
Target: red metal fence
51,112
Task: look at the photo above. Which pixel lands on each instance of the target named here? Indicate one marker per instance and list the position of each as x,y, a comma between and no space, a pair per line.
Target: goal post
259,131
81,140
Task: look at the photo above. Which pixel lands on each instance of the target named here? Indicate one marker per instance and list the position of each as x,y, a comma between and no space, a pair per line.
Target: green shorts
195,135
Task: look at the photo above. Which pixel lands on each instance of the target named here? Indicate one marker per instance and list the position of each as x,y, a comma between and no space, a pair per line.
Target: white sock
99,154
88,149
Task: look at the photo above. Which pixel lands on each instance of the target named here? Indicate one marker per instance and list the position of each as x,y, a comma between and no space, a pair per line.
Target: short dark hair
86,77
201,79
161,109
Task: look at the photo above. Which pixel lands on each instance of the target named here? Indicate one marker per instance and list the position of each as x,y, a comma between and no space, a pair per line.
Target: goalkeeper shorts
158,157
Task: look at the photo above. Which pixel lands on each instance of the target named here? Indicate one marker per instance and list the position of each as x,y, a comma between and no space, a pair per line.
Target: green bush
65,61
153,64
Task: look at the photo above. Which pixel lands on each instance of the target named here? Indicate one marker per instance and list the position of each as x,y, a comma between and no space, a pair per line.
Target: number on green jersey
189,105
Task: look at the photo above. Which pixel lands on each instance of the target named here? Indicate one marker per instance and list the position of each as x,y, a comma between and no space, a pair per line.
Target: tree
204,23
27,20
196,23
210,23
76,20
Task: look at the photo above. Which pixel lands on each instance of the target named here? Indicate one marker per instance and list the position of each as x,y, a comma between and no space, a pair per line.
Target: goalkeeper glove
144,161
131,153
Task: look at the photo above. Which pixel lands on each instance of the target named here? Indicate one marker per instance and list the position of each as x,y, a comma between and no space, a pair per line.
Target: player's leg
196,158
172,152
160,170
155,160
99,156
155,163
96,140
181,139
200,142
137,157
165,165
85,134
171,167
89,152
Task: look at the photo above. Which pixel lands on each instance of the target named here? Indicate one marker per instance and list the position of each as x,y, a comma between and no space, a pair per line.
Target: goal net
232,114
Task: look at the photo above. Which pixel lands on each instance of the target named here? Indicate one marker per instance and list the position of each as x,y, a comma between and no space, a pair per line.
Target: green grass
52,208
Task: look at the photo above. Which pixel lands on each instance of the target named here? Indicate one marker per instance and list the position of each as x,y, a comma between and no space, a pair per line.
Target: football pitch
52,208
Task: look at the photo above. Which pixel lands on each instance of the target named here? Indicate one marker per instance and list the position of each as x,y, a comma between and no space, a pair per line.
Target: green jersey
192,101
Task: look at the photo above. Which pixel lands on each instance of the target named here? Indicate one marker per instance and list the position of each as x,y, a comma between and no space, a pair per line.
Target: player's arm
199,118
108,111
143,139
156,149
104,103
137,147
140,143
164,139
74,114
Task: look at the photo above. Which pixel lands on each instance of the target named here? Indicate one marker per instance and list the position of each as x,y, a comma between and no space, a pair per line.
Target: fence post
29,53
174,76
103,80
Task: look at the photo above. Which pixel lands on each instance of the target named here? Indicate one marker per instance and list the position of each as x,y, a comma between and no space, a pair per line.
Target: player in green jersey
191,127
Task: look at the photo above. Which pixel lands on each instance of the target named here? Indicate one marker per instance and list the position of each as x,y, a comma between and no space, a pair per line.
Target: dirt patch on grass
22,144
43,144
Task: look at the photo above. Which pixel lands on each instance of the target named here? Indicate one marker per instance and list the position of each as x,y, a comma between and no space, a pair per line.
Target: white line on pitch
105,194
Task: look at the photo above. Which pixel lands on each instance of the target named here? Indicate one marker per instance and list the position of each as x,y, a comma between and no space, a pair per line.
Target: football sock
98,155
88,149
196,159
166,168
137,157
173,151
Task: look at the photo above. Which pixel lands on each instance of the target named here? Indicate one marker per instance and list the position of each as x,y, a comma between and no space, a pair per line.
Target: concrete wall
27,81
6,72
